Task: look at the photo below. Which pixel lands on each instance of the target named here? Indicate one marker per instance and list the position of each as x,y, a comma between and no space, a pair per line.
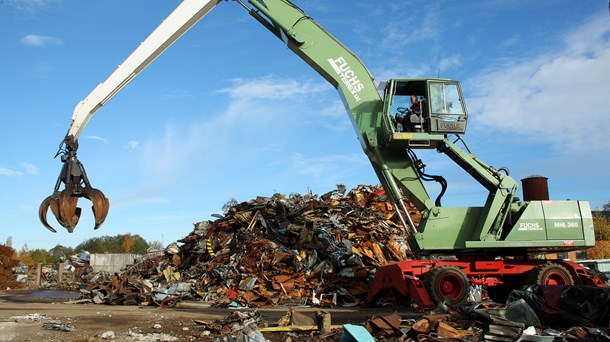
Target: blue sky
229,112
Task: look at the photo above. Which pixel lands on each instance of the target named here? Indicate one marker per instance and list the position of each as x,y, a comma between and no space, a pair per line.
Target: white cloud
335,109
132,144
322,166
449,62
8,172
30,169
402,33
402,69
272,88
40,41
32,5
167,158
186,152
558,96
95,137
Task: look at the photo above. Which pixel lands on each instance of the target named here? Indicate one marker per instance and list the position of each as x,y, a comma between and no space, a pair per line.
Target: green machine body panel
543,226
563,220
440,231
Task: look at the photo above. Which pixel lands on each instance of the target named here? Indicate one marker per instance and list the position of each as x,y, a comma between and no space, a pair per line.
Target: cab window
445,101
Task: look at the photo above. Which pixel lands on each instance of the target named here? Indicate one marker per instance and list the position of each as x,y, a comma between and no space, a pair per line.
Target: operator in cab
411,120
416,106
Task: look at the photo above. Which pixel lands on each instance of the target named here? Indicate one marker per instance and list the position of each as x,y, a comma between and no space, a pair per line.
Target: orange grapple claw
63,203
44,206
100,206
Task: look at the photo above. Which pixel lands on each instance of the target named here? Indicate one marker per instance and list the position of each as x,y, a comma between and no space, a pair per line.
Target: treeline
127,243
122,243
601,225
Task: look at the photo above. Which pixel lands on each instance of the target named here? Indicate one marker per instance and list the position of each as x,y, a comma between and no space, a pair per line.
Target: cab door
446,107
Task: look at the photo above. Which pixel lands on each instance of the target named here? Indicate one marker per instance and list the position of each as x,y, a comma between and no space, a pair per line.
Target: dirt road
45,316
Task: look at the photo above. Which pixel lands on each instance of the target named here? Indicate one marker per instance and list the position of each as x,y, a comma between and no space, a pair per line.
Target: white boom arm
187,14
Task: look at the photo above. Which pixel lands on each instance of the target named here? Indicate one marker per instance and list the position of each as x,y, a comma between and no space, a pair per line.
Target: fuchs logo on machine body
529,226
348,76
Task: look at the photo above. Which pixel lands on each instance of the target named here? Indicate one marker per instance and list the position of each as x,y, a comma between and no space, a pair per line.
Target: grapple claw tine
68,211
55,209
100,206
42,212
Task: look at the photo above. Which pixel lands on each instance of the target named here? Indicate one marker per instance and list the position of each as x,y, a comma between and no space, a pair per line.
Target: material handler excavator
488,245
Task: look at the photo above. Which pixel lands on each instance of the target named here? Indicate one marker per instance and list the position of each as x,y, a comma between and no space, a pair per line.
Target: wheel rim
450,286
555,278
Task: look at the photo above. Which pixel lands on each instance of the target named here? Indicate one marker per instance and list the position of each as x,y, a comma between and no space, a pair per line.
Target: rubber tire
448,284
550,274
498,293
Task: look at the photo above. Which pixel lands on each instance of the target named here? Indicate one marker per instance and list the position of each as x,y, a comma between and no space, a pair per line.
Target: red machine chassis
428,281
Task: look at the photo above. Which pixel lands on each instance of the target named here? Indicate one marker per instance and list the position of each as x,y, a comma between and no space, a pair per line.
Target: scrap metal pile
296,249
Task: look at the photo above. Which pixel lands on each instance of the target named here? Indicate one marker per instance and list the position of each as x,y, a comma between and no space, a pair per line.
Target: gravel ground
27,315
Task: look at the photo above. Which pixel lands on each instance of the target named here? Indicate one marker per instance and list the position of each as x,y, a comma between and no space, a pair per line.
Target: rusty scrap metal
295,249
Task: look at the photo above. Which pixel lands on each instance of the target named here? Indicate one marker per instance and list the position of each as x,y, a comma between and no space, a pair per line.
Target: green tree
601,225
60,253
606,207
113,244
140,246
25,257
41,256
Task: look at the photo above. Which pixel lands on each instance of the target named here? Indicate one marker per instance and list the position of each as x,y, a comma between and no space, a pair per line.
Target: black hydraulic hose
419,167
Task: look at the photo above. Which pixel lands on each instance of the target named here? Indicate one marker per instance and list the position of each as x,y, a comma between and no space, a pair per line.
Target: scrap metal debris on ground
323,251
474,322
297,249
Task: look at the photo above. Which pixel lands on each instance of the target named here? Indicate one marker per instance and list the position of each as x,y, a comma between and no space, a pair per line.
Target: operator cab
430,107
